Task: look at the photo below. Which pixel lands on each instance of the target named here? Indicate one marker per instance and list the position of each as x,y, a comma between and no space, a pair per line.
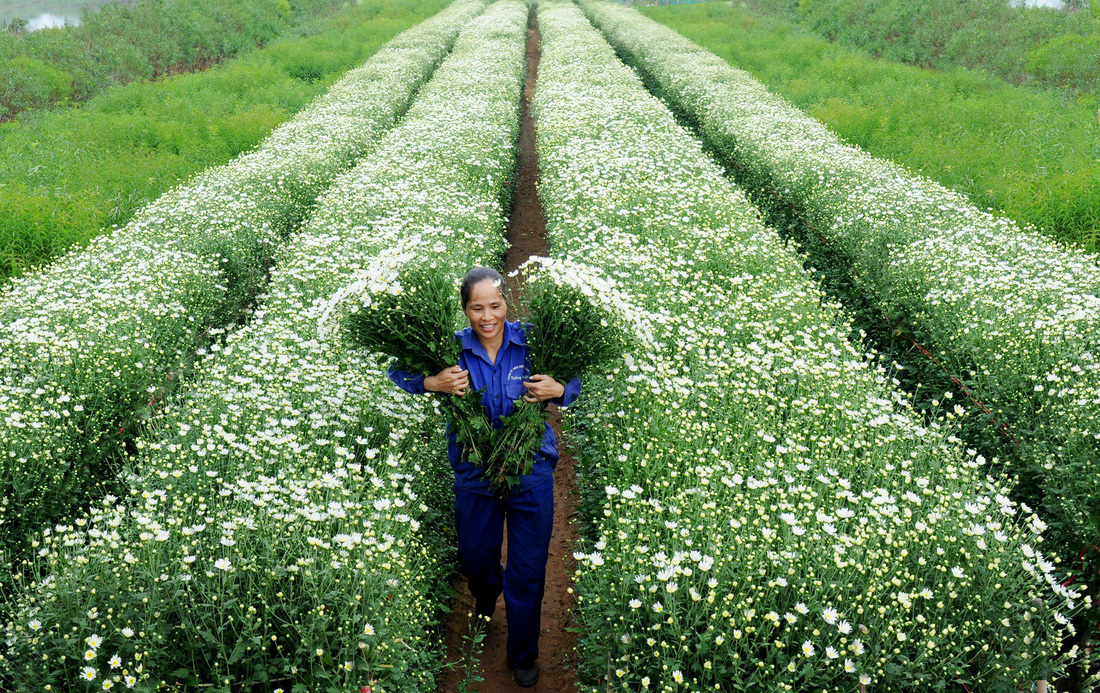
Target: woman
494,358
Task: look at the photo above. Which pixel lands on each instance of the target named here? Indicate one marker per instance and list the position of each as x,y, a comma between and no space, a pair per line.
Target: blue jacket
503,383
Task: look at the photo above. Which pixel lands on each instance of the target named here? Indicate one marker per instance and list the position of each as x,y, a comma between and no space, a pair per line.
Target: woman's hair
476,276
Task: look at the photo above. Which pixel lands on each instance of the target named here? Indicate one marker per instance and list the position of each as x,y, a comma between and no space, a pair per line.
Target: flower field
1015,316
767,512
90,345
204,489
282,522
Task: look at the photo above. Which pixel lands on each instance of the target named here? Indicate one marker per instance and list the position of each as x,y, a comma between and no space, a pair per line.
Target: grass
1024,45
1033,156
126,42
67,175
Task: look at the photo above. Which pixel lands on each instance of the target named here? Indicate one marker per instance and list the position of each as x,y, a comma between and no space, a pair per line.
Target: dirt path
557,647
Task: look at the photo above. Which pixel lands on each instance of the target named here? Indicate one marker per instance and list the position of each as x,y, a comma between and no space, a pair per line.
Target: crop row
1015,316
768,513
89,345
286,522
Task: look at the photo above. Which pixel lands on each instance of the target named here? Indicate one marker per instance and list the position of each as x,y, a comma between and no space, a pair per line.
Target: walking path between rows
557,645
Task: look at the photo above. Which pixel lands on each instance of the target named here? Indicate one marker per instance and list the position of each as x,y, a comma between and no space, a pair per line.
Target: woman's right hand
452,380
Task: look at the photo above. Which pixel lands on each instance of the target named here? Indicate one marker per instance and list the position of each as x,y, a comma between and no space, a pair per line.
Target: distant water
48,21
41,14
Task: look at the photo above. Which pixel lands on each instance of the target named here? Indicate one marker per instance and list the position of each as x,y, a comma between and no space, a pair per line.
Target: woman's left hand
541,388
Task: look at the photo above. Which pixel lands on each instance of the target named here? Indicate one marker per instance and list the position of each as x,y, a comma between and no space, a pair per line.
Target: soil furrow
557,646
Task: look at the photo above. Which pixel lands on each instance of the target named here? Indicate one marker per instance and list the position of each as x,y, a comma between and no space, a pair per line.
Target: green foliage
123,42
1071,60
1030,155
412,321
514,446
84,169
1012,316
301,594
36,226
569,335
27,82
473,644
721,460
989,35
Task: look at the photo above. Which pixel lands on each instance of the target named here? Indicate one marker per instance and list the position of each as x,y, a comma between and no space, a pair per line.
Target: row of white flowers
769,513
1015,315
90,344
287,523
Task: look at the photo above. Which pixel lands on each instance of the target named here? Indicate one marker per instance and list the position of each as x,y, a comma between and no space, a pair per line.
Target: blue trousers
479,521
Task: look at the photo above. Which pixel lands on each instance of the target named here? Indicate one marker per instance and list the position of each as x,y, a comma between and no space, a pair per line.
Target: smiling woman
484,304
494,362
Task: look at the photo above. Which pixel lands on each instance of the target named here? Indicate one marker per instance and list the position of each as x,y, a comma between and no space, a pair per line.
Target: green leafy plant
1024,152
93,346
473,643
412,320
1014,317
989,35
120,43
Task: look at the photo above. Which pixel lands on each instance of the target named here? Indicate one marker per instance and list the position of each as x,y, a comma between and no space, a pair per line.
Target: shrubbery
1021,44
90,346
122,42
1014,316
28,82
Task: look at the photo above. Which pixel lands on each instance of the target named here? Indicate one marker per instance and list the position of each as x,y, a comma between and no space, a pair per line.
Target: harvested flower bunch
572,330
410,314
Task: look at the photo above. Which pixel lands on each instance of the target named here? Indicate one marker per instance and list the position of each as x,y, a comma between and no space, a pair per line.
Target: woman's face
486,310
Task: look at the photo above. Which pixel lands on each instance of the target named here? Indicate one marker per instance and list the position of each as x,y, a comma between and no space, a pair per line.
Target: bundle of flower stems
411,316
